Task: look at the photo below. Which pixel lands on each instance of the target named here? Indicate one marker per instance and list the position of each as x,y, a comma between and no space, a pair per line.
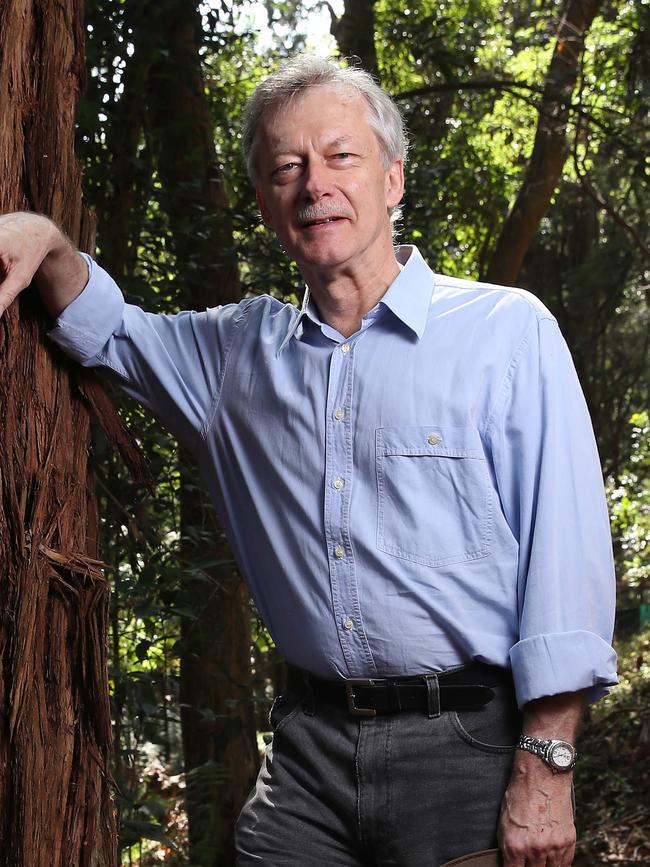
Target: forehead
335,113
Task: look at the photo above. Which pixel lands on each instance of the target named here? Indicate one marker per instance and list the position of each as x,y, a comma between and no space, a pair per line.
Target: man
407,474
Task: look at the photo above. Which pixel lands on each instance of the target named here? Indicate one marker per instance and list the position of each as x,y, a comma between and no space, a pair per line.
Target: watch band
557,754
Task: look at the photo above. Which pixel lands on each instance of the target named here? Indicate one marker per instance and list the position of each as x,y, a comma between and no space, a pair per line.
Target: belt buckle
350,684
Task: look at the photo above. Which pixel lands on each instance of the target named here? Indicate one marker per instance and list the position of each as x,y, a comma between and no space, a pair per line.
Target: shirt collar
296,322
408,297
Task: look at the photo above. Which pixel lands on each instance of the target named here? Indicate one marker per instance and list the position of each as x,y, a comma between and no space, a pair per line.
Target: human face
322,184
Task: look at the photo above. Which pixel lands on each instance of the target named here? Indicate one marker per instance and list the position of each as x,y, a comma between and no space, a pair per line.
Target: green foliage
612,783
449,66
140,539
629,497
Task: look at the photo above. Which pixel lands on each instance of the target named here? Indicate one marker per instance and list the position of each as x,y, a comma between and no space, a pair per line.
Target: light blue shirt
423,493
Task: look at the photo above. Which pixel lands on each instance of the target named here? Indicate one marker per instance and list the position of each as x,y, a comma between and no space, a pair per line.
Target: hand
536,824
32,246
25,241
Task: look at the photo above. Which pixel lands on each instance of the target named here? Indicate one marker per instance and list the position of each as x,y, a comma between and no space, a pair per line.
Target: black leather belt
467,688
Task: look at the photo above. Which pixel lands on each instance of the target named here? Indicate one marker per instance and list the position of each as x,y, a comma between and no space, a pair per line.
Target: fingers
523,854
12,284
25,240
548,847
567,856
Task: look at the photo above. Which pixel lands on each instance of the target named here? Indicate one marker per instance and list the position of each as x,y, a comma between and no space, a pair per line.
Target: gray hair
307,70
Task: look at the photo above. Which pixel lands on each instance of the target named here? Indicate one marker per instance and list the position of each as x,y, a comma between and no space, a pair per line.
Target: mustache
319,211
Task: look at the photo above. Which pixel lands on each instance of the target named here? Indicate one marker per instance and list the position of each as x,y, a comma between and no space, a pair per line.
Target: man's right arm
172,364
33,248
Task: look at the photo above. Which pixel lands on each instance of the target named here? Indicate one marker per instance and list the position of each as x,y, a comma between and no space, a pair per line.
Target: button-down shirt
419,494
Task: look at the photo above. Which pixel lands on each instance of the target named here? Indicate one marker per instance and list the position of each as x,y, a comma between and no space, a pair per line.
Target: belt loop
433,695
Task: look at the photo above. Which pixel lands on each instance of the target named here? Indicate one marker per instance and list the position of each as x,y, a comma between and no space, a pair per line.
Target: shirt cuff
563,662
86,325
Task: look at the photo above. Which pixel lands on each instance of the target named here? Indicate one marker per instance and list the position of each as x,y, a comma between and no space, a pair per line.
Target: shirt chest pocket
434,495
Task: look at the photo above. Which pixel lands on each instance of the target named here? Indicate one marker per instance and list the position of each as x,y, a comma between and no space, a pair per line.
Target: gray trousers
403,790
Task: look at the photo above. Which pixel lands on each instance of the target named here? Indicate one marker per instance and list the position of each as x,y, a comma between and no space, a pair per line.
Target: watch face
561,756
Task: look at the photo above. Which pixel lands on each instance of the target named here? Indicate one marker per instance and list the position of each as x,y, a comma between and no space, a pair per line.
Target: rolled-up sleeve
173,364
86,325
550,483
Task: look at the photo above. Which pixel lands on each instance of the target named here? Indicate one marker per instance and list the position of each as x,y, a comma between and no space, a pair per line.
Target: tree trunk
55,800
126,193
216,703
354,32
217,711
550,148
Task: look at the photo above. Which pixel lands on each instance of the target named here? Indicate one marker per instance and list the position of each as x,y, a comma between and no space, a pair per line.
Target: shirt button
434,439
339,551
339,414
338,484
345,347
348,623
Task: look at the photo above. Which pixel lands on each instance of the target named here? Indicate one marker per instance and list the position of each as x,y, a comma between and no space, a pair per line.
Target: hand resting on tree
33,247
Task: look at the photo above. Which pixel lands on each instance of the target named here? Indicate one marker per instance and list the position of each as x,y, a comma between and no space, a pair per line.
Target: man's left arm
536,826
551,490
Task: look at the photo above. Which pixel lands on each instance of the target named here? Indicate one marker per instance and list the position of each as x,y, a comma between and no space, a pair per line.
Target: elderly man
407,474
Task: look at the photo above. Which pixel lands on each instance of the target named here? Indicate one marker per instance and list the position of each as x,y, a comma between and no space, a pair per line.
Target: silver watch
558,755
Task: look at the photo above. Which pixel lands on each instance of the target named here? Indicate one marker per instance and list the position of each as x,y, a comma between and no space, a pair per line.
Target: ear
266,216
394,184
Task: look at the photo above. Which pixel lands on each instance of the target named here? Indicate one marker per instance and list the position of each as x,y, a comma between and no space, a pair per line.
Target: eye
343,159
283,169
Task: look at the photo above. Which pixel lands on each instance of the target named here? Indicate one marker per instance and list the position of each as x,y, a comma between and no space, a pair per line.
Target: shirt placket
338,490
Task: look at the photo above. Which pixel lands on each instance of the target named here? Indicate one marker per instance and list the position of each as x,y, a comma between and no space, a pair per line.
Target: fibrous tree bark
55,800
550,148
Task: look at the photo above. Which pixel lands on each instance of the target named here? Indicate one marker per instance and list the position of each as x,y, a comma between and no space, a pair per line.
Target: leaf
154,808
142,649
133,830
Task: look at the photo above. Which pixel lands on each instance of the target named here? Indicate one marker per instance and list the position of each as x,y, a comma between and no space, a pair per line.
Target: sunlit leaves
629,496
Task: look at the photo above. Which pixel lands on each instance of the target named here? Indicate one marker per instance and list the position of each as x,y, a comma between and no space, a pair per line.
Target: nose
315,182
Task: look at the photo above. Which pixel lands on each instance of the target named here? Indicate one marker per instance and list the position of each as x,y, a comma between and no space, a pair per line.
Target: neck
345,293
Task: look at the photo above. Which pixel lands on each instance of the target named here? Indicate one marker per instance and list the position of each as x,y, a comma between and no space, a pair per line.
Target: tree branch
550,148
469,84
592,191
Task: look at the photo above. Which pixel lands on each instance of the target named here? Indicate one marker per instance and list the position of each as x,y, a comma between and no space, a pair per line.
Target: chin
332,253
321,259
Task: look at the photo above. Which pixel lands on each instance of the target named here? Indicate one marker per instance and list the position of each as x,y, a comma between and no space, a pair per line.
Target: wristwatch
558,755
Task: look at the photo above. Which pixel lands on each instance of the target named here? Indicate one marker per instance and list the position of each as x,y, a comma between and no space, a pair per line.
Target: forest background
529,128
